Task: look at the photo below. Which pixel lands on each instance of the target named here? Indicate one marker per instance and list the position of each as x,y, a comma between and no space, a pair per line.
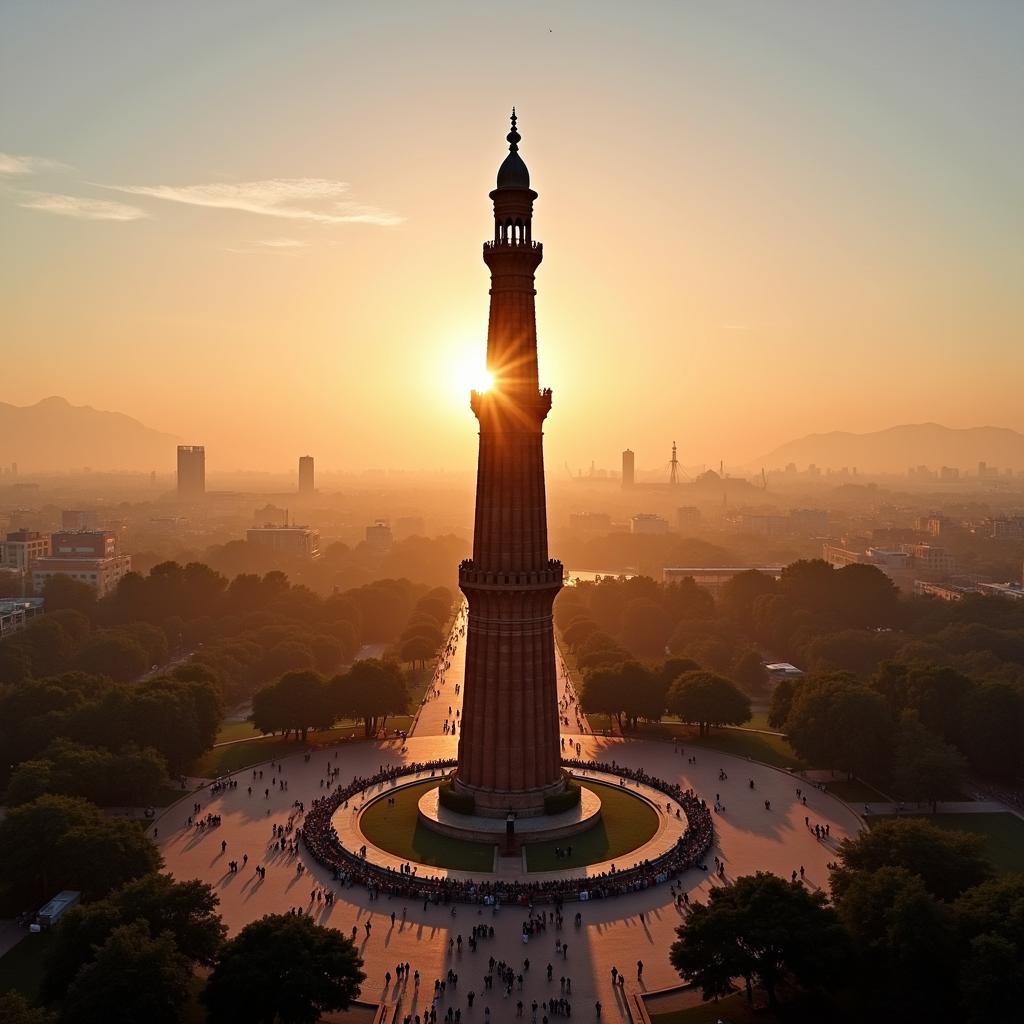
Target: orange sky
260,229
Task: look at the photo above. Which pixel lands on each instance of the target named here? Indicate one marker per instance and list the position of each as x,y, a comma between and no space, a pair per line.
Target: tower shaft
509,755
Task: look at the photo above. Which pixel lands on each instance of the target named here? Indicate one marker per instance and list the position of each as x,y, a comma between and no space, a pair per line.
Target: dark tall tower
306,485
191,471
628,468
509,755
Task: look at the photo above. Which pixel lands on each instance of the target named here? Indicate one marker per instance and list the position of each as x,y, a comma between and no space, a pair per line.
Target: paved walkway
670,829
749,838
443,704
943,807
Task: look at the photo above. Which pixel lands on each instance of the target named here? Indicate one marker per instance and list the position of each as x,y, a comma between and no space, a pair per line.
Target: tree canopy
764,930
709,700
283,969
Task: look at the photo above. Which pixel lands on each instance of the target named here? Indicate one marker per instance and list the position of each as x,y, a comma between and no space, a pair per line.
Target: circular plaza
394,922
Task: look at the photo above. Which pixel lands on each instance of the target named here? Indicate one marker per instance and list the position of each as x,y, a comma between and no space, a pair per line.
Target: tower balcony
470,574
507,407
510,244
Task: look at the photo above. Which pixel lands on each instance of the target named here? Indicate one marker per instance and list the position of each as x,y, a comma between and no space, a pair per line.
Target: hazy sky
258,225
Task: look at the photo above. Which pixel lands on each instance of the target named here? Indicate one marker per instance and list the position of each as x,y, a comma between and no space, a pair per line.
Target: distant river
590,575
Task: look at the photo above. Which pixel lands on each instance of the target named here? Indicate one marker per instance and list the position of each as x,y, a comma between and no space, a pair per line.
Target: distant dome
513,173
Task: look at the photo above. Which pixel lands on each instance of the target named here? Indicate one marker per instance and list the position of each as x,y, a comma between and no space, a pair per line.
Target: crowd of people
351,867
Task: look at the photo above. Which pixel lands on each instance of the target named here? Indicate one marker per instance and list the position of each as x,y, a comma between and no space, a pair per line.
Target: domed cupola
513,173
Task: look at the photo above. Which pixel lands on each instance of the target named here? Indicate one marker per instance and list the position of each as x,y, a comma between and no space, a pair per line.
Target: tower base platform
535,828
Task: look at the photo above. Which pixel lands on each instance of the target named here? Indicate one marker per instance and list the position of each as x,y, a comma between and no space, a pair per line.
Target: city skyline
791,207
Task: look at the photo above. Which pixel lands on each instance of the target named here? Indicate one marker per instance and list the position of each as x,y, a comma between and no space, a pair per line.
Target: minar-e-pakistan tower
509,758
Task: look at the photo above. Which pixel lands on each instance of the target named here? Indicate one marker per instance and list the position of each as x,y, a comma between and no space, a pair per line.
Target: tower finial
513,136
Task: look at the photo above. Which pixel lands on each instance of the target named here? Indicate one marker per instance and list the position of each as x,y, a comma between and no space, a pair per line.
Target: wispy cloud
320,200
281,243
14,164
77,206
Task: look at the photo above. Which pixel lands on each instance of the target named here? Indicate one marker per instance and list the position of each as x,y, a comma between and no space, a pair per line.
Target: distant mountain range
55,435
895,449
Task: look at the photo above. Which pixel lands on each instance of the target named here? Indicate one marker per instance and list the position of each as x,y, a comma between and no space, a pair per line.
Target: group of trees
427,561
176,715
901,691
371,690
423,634
128,777
132,956
74,673
918,929
632,691
59,842
916,727
247,630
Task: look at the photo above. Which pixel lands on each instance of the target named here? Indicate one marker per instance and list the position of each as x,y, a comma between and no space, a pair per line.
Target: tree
866,596
283,968
936,693
298,701
579,630
371,690
642,691
64,592
131,776
287,656
708,699
762,929
133,977
836,722
992,728
924,767
59,842
646,627
185,910
990,920
672,668
417,649
16,1009
749,673
113,654
947,862
739,594
991,980
904,938
781,702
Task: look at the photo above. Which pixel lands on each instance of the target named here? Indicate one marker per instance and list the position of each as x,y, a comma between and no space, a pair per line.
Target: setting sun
470,374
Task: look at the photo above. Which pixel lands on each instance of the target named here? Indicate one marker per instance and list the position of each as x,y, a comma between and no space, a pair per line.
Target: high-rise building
509,751
628,471
306,485
191,471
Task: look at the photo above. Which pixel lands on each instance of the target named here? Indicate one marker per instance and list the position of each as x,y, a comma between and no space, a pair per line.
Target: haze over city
511,511
262,234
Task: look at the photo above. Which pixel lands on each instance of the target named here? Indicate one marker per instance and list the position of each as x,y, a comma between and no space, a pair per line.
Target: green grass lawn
796,1009
854,791
626,823
231,758
773,750
21,968
232,731
397,830
1003,833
